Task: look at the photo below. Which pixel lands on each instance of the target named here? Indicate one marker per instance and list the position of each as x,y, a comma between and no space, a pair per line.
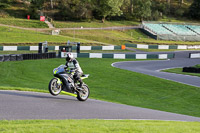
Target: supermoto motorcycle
63,82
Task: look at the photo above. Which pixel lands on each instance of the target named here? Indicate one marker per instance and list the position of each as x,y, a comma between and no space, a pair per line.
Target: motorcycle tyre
50,90
79,95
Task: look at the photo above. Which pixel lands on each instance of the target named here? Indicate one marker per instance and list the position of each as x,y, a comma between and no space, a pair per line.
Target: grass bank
109,84
98,126
114,37
25,23
14,35
93,24
119,37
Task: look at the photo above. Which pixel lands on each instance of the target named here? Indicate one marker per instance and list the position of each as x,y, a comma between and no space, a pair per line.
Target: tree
194,11
142,9
75,9
131,6
34,8
109,8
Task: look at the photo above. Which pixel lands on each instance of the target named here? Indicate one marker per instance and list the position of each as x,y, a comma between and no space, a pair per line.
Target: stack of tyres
191,69
13,57
36,56
6,57
19,57
1,58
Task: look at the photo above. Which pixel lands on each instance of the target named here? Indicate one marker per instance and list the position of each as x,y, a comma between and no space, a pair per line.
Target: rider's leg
77,77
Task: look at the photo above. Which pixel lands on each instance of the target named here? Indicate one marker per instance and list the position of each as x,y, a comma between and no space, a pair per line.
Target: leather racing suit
74,64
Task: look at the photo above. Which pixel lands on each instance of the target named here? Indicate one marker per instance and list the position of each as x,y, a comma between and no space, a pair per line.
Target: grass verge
179,71
22,89
98,126
109,84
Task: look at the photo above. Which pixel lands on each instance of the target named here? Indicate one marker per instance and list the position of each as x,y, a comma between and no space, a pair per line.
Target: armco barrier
35,56
36,48
194,55
121,56
145,46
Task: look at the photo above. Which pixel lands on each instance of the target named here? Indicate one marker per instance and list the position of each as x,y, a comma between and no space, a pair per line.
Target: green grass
114,37
13,35
93,24
23,89
179,71
109,84
23,23
119,37
98,126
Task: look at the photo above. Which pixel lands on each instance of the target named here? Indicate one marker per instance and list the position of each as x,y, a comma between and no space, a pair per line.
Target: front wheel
54,87
83,94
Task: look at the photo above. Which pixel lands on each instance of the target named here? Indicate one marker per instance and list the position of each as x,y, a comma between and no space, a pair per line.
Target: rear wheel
84,93
54,87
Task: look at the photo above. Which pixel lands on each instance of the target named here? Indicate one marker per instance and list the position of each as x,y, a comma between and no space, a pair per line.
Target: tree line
110,9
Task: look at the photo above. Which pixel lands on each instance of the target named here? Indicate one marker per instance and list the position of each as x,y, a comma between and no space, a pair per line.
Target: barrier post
78,47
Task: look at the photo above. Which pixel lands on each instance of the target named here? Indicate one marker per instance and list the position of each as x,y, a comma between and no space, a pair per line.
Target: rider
73,63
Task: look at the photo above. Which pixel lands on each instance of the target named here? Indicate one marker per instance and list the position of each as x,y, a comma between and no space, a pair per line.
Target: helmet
69,56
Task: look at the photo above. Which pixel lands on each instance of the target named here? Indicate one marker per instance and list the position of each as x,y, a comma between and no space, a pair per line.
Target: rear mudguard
84,76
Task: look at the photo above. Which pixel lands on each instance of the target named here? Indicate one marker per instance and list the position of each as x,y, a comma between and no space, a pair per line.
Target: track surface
153,67
29,105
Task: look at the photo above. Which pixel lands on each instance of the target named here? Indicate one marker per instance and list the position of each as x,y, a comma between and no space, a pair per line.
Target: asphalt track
16,105
153,68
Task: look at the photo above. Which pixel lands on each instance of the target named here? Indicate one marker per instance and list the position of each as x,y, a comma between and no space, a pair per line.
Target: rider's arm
77,66
66,64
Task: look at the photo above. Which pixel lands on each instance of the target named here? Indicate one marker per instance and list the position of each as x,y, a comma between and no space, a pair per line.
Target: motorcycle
63,82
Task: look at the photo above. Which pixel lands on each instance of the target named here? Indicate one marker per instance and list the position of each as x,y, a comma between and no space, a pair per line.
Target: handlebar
71,70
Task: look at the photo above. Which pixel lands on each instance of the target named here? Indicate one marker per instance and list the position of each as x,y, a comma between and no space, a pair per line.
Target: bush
3,14
4,5
155,15
179,12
